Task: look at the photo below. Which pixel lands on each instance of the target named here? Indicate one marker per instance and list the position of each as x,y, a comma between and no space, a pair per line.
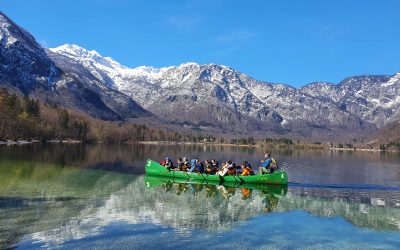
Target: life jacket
274,164
245,172
180,166
209,169
185,166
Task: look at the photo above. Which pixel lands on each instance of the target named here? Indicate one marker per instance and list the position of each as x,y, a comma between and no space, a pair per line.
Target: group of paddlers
267,165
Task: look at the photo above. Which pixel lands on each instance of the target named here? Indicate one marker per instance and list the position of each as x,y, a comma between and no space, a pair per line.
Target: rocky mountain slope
27,69
24,64
211,98
215,96
372,98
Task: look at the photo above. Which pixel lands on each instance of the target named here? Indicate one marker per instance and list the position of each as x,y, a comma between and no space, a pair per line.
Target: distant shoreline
292,146
295,146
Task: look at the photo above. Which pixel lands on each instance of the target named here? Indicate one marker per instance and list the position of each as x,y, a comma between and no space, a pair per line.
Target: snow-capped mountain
26,68
24,64
372,98
210,97
204,96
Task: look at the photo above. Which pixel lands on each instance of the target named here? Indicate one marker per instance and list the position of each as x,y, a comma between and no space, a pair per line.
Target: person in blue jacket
193,164
199,166
265,165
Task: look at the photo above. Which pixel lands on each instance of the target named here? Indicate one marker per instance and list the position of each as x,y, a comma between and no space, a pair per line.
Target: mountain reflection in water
44,201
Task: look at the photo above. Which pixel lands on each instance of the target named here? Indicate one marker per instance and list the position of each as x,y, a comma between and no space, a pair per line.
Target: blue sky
293,42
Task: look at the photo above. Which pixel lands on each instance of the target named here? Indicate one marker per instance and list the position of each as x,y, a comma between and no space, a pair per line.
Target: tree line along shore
25,120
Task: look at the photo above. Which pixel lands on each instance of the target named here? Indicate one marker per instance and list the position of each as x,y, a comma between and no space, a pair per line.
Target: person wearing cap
265,165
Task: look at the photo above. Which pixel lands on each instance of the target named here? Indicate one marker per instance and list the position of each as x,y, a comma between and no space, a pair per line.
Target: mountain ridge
27,69
239,93
210,98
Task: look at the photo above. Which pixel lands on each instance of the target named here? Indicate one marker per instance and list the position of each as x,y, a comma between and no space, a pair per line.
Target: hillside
199,98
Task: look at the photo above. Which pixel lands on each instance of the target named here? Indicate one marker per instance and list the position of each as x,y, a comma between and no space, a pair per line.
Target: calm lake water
96,196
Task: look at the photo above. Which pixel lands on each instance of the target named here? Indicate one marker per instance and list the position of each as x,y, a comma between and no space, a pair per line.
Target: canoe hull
152,181
278,177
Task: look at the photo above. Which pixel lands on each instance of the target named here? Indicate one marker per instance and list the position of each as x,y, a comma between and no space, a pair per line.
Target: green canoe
278,177
157,181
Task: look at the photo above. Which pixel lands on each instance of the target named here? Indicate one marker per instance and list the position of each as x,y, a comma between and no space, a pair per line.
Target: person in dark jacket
168,163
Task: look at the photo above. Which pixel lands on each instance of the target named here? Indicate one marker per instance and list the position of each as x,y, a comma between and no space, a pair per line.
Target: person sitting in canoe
268,165
231,168
208,167
199,166
215,165
246,169
185,165
224,169
179,164
196,166
193,163
264,167
168,163
248,166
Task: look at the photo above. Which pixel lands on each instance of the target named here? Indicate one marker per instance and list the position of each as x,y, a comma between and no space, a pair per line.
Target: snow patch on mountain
392,80
6,37
176,92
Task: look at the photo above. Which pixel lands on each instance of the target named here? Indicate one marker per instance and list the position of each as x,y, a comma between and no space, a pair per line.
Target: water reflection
217,190
303,166
377,209
50,198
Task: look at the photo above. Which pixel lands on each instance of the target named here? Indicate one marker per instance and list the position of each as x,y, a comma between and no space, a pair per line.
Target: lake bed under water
96,196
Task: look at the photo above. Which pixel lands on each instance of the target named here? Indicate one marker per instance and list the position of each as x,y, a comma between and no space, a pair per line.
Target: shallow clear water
96,196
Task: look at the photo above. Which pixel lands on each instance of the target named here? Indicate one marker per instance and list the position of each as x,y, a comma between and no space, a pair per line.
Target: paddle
221,179
187,174
197,174
202,176
241,180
